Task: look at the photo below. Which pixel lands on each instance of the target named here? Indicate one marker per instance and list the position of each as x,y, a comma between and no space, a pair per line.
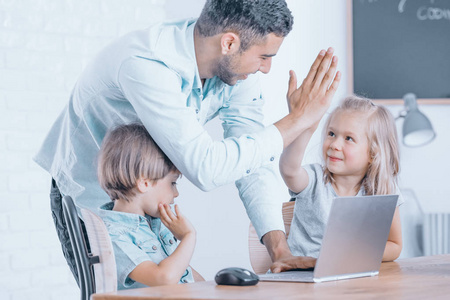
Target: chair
259,257
413,220
97,270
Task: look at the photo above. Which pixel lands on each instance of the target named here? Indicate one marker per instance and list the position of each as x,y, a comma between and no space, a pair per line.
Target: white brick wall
44,45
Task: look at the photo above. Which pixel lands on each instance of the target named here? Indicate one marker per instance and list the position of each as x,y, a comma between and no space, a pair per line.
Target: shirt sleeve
128,256
159,97
314,172
242,113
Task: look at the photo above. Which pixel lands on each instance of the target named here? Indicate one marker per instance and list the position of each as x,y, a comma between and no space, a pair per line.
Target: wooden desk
415,278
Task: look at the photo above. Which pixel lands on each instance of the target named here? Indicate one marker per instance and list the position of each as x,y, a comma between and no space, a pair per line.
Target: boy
141,182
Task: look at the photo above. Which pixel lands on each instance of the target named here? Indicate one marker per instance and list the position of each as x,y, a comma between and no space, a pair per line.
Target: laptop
353,243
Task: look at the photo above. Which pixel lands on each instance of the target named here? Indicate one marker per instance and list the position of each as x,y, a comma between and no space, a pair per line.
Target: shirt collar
197,82
190,46
107,213
361,191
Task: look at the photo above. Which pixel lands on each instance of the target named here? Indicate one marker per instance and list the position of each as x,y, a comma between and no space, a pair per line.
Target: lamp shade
417,129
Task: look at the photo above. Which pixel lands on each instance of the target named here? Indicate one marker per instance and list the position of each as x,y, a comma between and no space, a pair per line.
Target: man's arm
257,190
156,94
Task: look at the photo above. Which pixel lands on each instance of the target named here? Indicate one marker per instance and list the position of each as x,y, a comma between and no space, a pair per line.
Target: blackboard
400,46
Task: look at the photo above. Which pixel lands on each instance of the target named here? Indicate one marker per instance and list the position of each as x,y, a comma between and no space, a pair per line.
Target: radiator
436,233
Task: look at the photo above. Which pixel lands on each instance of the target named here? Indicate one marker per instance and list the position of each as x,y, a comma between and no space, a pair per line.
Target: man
174,78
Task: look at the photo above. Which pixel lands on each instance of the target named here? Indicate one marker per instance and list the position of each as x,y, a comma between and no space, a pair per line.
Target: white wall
43,48
44,44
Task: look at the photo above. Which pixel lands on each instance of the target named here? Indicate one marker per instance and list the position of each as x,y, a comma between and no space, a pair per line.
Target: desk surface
415,278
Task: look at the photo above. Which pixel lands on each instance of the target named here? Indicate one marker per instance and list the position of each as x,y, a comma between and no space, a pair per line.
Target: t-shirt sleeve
315,177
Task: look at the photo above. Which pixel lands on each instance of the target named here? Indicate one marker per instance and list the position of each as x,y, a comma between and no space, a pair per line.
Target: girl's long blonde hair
381,176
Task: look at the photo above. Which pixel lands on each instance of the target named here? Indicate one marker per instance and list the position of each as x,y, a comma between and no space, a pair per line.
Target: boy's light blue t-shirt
311,211
136,239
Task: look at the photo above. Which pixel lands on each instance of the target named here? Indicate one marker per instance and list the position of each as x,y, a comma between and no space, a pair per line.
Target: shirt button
248,171
154,247
171,241
272,158
196,111
184,281
254,99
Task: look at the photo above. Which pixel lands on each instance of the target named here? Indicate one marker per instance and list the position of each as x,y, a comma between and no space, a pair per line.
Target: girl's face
162,191
345,147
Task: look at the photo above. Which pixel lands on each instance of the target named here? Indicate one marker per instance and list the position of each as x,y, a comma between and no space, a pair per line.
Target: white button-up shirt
151,76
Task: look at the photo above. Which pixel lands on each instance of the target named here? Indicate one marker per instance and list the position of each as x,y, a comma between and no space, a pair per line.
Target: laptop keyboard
287,276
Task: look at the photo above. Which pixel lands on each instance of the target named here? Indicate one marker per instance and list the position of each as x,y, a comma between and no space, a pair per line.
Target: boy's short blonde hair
128,153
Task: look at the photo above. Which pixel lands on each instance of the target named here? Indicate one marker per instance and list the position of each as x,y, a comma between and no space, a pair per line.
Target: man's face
258,57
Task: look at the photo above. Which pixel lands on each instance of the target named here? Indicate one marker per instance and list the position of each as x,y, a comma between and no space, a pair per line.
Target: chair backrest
100,243
259,257
96,270
83,259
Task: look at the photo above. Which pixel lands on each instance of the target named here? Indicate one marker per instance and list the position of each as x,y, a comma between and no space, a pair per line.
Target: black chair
97,273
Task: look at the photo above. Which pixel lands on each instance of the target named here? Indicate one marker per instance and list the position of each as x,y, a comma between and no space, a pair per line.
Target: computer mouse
236,276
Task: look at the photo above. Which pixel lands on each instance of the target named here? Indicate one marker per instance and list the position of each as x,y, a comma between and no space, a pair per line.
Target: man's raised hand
311,100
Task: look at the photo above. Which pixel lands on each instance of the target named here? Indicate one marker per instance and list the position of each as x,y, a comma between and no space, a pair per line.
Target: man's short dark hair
252,20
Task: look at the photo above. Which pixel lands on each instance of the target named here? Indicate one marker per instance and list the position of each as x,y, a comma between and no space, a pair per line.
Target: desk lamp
417,129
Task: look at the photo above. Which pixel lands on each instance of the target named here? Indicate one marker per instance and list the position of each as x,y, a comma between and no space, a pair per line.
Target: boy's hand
176,223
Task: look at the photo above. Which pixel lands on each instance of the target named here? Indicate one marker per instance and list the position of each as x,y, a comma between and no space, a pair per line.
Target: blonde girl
360,157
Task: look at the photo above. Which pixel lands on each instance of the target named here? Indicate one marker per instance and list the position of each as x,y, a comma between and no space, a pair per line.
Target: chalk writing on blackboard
401,46
424,13
401,6
433,13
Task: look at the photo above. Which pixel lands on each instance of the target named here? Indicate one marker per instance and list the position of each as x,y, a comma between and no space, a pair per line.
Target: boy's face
162,191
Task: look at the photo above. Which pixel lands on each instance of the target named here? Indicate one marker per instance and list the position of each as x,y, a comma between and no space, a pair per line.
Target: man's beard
224,69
